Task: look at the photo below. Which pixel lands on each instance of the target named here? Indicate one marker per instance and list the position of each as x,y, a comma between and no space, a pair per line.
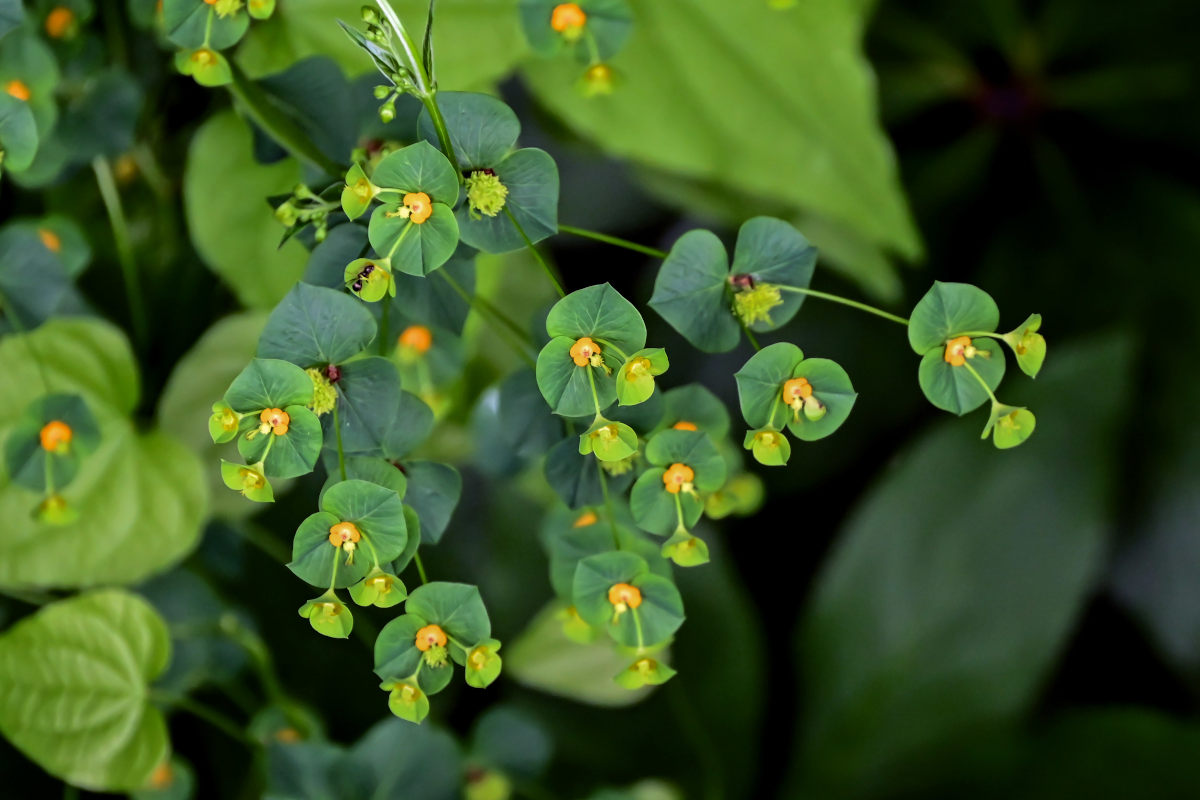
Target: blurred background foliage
912,613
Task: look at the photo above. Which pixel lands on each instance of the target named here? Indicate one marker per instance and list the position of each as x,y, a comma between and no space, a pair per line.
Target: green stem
439,124
558,287
276,124
124,243
608,505
260,656
707,754
833,298
679,515
510,331
337,558
637,625
750,337
260,538
982,383
385,334
209,715
337,427
374,553
396,244
420,567
595,396
612,346
613,240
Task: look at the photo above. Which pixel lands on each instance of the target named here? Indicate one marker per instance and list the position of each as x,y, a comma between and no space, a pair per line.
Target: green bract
454,623
635,378
660,511
608,440
949,310
693,404
328,616
611,323
195,24
652,622
956,389
762,382
269,383
505,188
417,248
314,326
94,655
708,300
375,514
1028,345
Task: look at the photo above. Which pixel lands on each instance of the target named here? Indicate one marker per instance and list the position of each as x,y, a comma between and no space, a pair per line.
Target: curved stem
120,228
982,383
612,346
511,332
833,298
750,337
439,124
616,241
595,396
209,715
558,287
420,567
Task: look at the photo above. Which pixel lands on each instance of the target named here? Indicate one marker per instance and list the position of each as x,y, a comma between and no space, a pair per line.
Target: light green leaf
476,41
955,389
711,80
601,313
948,310
82,712
231,225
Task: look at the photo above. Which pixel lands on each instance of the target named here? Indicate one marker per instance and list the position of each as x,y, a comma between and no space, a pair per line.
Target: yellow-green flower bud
753,305
324,395
486,195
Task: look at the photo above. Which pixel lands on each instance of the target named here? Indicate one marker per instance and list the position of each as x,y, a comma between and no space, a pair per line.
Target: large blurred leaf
476,41
231,225
775,104
954,585
141,496
73,683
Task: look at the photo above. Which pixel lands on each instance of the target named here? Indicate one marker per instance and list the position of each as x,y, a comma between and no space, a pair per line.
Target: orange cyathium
55,436
429,637
678,478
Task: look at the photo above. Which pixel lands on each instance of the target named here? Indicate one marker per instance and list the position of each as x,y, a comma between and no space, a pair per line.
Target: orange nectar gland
585,352
274,420
162,777
416,337
58,22
416,208
684,425
637,368
344,535
678,478
568,19
585,519
203,57
624,597
50,239
430,636
56,436
796,391
251,480
17,89
958,350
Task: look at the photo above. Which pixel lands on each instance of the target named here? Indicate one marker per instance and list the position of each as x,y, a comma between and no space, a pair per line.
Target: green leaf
944,603
414,248
58,234
661,610
604,32
543,658
376,417
832,389
575,478
691,292
456,607
955,389
397,656
433,490
760,383
12,14
309,27
482,128
291,454
420,167
269,383
568,388
378,515
531,178
18,133
601,313
800,81
233,230
378,471
695,404
312,326
83,714
772,251
25,458
949,310
195,23
692,448
654,508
